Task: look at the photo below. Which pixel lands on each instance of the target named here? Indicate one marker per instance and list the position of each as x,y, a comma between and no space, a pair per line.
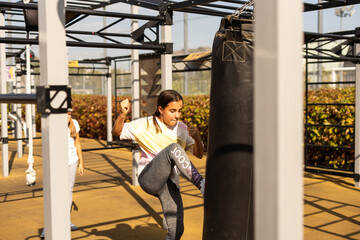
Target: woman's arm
79,153
198,150
119,122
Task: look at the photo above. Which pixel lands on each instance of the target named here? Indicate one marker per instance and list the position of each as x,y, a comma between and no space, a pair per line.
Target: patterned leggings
155,180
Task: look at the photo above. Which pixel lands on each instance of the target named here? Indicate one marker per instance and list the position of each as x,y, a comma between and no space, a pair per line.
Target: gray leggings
155,180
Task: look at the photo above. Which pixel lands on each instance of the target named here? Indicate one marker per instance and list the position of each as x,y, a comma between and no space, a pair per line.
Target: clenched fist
194,132
125,106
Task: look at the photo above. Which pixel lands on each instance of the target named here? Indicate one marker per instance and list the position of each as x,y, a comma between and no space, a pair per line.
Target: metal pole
30,172
185,51
278,181
320,30
18,115
166,59
54,71
4,125
33,123
135,86
108,105
357,120
105,55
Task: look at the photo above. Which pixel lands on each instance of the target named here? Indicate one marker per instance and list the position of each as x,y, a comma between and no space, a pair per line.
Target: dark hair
163,100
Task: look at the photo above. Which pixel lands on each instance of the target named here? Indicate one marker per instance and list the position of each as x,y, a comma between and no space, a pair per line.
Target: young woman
75,158
162,139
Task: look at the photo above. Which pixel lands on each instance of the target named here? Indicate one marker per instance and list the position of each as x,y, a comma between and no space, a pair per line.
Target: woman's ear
161,110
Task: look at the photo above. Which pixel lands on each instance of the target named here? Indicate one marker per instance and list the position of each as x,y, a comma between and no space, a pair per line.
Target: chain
242,8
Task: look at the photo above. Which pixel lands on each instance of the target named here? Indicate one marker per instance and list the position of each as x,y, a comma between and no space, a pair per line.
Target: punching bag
228,202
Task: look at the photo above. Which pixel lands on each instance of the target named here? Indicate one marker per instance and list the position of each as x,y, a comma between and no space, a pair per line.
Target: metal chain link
242,8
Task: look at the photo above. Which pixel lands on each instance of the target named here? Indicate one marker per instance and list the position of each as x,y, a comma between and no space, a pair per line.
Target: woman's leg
72,176
173,211
158,171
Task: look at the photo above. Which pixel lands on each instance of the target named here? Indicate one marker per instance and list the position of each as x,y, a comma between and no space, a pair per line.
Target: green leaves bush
90,111
334,136
196,112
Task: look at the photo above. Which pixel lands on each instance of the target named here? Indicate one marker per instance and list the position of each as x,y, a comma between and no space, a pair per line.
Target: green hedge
331,135
90,111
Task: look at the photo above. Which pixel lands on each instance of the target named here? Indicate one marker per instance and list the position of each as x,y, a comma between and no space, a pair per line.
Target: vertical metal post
306,106
320,30
18,113
33,123
278,181
104,55
357,119
166,58
30,172
54,71
186,51
4,120
135,85
108,104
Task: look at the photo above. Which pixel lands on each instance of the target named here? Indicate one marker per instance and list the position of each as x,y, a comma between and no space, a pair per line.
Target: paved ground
109,207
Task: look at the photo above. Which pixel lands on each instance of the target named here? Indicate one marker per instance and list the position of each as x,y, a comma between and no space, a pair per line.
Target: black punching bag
228,206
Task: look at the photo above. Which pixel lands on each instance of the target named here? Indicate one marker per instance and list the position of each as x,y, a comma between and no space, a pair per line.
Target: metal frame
322,54
278,193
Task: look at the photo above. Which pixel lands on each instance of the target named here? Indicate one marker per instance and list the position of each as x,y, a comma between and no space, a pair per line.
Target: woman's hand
198,149
81,169
125,106
119,122
194,133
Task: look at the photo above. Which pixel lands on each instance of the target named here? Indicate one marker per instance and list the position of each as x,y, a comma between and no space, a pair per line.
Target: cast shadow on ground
124,231
338,180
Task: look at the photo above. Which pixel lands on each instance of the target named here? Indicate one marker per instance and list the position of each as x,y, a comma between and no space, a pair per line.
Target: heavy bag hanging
228,206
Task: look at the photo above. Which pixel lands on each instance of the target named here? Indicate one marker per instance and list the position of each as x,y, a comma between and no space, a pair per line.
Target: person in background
75,159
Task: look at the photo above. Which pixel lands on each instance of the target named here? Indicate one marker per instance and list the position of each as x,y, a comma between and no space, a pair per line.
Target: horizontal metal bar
328,146
318,83
205,11
18,139
236,1
14,20
223,7
116,46
71,32
86,44
114,14
122,74
329,125
18,98
331,104
333,58
189,3
79,74
334,36
190,70
330,4
20,5
123,88
329,170
139,4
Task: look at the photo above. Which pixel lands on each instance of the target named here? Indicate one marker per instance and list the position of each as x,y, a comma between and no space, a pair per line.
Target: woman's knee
174,146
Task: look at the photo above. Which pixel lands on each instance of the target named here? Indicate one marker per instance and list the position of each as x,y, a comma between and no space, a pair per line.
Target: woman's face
68,116
171,113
